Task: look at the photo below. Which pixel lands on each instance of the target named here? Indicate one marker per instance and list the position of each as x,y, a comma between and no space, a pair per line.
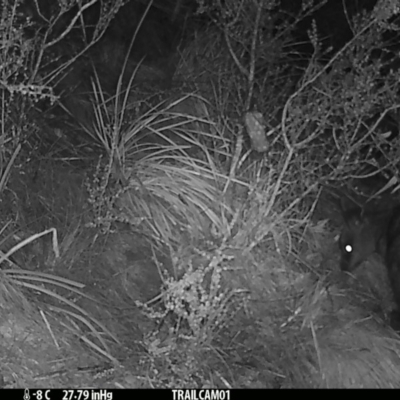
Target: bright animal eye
348,248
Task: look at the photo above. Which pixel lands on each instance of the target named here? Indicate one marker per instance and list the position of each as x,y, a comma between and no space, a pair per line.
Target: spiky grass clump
172,184
176,200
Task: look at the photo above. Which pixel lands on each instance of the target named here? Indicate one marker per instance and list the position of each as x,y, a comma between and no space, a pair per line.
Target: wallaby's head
362,235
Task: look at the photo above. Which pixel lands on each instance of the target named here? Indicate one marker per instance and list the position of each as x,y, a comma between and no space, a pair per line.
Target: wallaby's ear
352,213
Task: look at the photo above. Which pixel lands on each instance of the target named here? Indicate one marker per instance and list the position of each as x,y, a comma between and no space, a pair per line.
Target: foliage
32,36
337,124
32,56
259,39
246,293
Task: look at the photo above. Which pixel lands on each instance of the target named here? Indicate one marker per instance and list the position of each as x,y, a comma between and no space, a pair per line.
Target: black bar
121,394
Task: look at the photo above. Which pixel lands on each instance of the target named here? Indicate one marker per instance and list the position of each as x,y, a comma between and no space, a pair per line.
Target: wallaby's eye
348,248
